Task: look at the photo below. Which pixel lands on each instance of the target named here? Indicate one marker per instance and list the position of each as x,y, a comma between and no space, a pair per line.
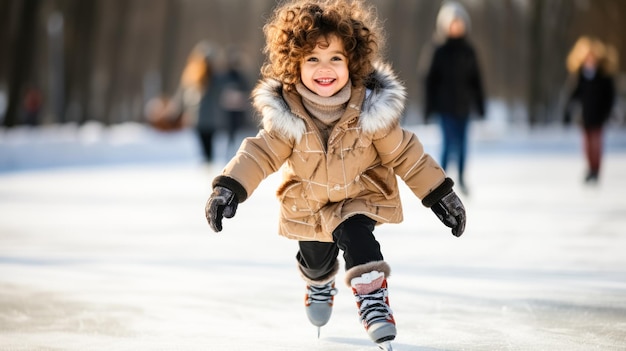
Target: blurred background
104,61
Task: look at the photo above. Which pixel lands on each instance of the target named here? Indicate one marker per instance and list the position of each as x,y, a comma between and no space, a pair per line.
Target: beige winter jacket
354,173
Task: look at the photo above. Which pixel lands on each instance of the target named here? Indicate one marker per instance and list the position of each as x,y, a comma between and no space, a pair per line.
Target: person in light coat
331,113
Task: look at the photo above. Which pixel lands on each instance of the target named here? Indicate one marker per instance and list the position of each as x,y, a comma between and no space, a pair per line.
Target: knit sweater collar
327,110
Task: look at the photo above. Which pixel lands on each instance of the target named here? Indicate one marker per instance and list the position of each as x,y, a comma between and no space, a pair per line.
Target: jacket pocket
381,180
293,201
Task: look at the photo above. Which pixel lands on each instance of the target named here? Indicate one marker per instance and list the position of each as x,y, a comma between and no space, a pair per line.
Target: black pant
354,237
206,141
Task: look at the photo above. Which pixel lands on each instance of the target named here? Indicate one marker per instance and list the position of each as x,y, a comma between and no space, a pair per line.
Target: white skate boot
370,291
318,303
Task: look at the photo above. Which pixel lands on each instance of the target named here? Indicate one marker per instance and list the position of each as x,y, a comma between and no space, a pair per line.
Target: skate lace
373,307
321,294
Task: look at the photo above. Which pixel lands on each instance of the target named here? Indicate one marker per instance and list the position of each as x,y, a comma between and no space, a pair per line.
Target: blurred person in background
199,94
163,113
453,85
234,95
592,65
183,108
33,102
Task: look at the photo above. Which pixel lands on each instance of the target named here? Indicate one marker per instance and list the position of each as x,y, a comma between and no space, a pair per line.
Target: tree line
82,60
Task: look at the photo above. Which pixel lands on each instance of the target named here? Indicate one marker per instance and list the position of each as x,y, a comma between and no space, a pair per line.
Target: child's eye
336,58
311,59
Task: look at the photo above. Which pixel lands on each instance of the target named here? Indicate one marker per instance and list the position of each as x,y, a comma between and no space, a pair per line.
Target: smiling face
325,70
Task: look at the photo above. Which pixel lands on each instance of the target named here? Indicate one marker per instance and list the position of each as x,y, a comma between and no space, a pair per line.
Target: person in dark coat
591,62
198,95
453,85
234,96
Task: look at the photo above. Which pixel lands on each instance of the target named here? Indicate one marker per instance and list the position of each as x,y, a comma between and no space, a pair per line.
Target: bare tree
119,53
22,49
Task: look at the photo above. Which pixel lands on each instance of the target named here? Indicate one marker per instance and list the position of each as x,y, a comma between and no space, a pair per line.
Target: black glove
451,212
222,203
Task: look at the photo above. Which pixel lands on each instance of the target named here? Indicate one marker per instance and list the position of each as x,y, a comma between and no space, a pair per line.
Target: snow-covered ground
112,252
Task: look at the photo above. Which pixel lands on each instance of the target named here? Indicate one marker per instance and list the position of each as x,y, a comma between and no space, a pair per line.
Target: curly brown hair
296,26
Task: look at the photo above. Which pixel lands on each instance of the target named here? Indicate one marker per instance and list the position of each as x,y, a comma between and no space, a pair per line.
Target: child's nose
325,68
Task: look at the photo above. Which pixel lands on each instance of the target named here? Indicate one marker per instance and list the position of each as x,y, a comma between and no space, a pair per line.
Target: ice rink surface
118,256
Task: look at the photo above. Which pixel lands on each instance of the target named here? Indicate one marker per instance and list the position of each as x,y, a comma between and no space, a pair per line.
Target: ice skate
318,302
385,346
370,291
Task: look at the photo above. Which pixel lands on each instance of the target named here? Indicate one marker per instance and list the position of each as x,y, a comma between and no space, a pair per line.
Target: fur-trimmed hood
382,108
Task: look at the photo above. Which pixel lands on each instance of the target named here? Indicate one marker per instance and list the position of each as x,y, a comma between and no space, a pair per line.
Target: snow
104,246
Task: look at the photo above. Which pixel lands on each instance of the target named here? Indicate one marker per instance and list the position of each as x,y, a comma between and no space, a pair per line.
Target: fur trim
323,280
438,193
233,185
381,110
268,100
384,101
361,269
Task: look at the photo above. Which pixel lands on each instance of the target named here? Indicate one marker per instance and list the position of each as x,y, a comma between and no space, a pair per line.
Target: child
331,119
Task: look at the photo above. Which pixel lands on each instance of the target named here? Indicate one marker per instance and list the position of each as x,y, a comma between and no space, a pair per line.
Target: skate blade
385,346
318,332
